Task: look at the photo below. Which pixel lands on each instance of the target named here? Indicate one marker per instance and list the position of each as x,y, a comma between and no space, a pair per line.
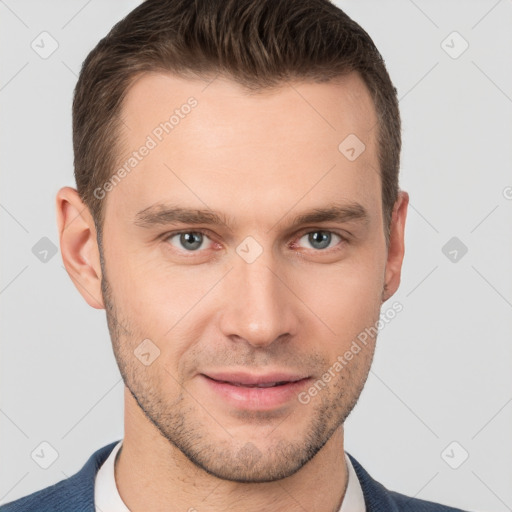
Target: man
238,216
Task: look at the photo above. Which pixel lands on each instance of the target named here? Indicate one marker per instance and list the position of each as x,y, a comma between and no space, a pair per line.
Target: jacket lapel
376,497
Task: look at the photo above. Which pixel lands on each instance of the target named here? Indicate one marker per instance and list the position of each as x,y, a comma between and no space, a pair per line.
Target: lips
261,385
265,392
255,381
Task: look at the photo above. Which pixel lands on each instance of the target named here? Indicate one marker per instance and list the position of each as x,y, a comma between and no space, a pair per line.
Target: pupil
320,239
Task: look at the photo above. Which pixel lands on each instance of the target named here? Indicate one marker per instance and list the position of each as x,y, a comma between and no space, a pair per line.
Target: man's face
259,296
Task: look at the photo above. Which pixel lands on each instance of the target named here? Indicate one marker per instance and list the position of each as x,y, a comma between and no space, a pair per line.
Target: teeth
262,385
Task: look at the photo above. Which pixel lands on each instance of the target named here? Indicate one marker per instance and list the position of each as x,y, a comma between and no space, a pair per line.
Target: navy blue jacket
76,493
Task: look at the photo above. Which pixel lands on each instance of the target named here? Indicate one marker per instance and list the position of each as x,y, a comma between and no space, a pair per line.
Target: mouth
261,385
255,392
254,380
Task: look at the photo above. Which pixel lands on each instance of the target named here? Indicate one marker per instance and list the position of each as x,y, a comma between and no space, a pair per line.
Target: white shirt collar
106,495
107,498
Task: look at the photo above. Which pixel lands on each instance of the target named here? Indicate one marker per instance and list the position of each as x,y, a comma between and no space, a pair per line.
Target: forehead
216,144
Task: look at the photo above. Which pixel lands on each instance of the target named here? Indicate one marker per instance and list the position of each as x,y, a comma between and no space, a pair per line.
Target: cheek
346,297
162,302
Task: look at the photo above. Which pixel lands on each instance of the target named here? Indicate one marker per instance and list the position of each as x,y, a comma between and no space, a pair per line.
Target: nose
258,307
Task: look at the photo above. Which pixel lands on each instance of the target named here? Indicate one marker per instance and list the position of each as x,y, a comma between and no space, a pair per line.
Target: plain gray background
440,386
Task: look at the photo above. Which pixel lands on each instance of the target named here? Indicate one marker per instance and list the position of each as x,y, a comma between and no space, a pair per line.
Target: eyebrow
162,214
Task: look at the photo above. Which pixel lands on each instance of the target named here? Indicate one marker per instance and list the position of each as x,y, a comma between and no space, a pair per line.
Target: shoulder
73,493
378,498
408,504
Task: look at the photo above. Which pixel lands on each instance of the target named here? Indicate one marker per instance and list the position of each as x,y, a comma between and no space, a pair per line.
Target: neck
153,475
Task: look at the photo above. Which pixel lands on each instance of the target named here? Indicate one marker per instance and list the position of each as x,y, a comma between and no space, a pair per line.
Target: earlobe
78,245
396,248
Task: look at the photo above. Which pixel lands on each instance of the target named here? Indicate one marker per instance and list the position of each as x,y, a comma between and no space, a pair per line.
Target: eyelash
343,240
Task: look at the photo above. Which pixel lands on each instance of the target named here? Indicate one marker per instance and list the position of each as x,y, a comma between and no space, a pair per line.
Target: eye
320,239
191,241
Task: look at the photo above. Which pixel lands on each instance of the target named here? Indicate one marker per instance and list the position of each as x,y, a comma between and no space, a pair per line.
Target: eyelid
169,234
305,231
343,239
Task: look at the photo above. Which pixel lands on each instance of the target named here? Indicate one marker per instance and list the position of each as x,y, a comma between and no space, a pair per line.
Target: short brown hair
257,43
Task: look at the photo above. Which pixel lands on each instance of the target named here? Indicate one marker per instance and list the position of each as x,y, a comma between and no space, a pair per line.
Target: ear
78,245
396,246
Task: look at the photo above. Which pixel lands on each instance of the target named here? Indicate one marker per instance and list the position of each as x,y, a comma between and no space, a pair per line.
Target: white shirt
107,498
